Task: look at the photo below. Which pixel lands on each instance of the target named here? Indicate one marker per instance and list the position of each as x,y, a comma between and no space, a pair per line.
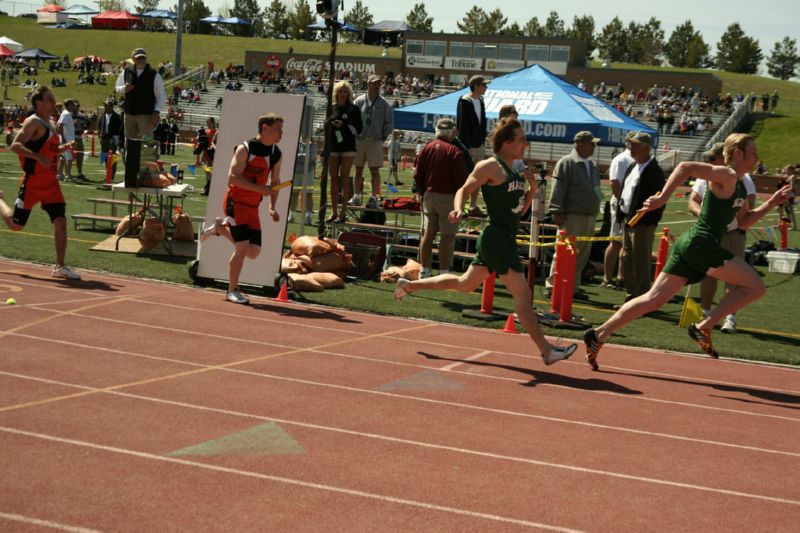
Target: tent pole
326,153
178,39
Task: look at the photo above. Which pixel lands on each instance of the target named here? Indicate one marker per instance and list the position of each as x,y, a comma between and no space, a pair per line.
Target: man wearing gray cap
378,123
734,239
575,200
643,180
143,89
440,171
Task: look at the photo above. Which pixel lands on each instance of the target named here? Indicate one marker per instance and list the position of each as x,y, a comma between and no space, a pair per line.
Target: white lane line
44,523
471,407
423,367
288,481
475,357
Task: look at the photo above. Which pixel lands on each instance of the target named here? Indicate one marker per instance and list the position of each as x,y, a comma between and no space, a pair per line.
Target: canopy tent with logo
550,109
385,32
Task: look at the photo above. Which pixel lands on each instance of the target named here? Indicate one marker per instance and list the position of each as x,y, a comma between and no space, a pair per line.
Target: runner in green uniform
698,252
506,199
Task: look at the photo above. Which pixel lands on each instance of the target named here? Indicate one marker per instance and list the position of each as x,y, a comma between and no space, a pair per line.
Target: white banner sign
415,61
504,65
463,63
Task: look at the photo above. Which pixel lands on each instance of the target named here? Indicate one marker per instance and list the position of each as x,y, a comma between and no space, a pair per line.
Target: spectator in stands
616,177
733,240
394,153
642,180
144,96
66,128
344,123
471,124
440,171
575,200
378,123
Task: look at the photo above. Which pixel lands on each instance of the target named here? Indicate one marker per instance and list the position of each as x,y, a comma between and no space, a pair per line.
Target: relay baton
280,185
638,216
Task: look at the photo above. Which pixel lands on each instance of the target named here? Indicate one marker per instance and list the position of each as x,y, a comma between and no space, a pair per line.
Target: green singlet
698,250
497,243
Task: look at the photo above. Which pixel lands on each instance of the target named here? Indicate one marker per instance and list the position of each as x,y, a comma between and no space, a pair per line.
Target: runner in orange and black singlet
241,204
39,183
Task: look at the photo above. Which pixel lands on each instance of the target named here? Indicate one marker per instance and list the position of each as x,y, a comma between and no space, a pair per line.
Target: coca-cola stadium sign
318,65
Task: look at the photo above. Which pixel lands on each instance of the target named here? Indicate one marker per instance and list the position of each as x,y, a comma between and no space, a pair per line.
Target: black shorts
246,233
20,216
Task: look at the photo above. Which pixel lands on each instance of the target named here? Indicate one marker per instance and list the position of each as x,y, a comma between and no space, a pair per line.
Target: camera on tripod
328,9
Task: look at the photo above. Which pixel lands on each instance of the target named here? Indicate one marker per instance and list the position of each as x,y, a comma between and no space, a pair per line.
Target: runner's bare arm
754,215
481,174
274,181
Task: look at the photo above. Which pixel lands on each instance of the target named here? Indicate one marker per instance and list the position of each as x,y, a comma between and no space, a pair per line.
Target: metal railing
732,123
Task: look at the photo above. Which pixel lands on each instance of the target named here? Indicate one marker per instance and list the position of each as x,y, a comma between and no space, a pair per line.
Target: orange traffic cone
511,326
283,294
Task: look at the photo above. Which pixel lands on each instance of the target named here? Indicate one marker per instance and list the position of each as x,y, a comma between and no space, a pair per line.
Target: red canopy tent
91,58
5,51
115,20
51,8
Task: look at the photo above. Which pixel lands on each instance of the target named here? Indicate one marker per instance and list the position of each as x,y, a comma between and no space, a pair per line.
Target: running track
128,405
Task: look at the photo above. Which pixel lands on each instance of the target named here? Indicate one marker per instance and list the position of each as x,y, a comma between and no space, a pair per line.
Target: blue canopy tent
235,20
215,19
320,25
550,109
159,14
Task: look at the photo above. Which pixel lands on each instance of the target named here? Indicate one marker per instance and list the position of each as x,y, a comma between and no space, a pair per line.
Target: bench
111,202
94,219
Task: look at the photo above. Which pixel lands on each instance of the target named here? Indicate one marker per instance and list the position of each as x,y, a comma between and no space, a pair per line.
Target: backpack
402,202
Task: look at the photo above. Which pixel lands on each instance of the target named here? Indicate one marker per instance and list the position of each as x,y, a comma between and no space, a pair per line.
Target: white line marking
45,523
475,357
288,481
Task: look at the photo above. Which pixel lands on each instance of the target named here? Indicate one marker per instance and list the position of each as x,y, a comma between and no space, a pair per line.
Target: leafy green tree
783,61
143,6
513,30
193,11
644,42
276,20
699,53
360,17
554,26
676,49
248,10
300,16
111,5
418,19
583,29
495,22
473,22
613,41
736,52
533,28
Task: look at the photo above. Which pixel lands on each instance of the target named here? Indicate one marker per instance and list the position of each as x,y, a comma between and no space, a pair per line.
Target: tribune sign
463,63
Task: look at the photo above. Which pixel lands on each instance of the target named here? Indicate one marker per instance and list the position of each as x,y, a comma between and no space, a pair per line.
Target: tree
143,6
276,20
300,17
111,5
418,19
699,54
677,47
613,41
495,22
193,11
783,60
533,28
644,42
513,30
736,52
248,10
360,17
554,26
582,29
473,21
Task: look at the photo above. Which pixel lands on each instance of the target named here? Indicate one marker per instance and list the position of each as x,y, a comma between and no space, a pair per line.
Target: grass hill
775,133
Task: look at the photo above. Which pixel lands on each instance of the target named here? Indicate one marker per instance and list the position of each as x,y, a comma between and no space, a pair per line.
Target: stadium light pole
179,38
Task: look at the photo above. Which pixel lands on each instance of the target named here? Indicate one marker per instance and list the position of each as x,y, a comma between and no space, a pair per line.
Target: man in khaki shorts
440,171
378,123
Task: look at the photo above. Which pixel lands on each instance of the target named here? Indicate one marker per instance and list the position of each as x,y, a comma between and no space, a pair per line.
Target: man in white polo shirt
616,177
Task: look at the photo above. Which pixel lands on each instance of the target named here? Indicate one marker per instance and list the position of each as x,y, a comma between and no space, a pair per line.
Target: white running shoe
559,353
66,273
424,273
290,217
236,297
308,219
355,200
402,289
213,230
729,326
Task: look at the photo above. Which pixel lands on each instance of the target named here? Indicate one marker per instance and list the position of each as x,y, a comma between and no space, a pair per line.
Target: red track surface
345,421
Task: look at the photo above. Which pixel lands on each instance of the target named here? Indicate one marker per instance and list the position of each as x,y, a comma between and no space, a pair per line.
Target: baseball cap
585,136
445,124
641,137
373,78
138,52
713,153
